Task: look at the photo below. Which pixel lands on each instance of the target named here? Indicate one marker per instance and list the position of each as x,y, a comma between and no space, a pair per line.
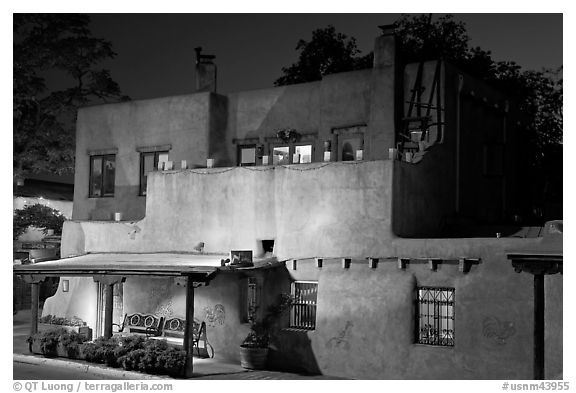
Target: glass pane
109,174
281,155
96,177
248,155
305,153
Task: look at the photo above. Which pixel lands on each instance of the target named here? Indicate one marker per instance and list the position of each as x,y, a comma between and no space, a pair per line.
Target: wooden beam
108,308
372,263
188,329
34,308
539,326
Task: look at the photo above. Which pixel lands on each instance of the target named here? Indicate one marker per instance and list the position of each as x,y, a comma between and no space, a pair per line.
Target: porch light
65,285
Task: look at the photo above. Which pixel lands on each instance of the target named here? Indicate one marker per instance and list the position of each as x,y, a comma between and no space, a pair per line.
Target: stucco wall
180,121
80,300
365,320
309,210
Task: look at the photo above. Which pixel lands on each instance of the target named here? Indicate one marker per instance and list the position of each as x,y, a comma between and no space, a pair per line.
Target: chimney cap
388,29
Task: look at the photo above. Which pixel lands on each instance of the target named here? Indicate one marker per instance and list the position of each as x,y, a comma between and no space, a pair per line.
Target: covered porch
108,269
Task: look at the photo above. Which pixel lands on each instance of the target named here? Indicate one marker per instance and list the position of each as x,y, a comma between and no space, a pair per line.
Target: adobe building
355,235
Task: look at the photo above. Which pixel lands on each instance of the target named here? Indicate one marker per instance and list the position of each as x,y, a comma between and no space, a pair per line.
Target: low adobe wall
308,210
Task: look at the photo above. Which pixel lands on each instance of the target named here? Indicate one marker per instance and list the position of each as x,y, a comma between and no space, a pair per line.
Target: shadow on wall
294,353
290,349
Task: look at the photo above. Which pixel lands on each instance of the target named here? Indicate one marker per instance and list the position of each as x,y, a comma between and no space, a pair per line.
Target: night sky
156,51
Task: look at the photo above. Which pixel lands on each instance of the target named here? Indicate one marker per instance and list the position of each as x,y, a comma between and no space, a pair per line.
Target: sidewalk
203,368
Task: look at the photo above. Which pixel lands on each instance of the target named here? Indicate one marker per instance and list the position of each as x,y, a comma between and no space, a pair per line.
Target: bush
54,320
102,351
50,339
39,216
135,353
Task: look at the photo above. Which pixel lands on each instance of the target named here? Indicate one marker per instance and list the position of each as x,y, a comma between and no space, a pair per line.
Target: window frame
242,146
156,153
303,318
437,339
291,151
105,158
340,134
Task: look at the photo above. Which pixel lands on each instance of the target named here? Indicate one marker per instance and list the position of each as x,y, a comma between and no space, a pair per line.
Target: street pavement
27,366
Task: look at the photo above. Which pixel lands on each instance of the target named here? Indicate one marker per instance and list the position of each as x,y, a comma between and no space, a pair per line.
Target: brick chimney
205,72
385,46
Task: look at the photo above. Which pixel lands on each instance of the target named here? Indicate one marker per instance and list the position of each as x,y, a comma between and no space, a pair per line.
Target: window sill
297,330
433,346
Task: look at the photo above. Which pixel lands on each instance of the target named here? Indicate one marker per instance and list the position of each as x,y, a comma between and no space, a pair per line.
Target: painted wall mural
215,315
341,340
496,330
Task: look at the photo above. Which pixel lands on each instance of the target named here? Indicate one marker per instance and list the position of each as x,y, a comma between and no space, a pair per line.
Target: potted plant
254,348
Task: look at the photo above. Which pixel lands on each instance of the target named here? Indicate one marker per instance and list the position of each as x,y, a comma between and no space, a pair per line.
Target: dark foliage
44,116
39,216
328,52
262,329
50,339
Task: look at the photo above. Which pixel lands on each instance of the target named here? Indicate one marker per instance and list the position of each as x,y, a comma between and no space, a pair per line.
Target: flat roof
201,267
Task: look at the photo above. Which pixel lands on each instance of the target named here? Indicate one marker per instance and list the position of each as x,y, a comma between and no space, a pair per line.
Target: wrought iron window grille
435,316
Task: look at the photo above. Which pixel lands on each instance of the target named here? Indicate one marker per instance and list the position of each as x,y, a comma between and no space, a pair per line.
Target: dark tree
44,117
328,52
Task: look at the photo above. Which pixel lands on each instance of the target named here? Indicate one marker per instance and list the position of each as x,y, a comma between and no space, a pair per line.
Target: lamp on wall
65,285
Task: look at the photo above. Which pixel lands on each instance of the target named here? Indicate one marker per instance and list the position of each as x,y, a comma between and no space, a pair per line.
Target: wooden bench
148,325
173,333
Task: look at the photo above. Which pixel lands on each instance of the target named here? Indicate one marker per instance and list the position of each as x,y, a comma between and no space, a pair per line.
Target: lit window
102,174
303,308
149,162
283,155
436,316
304,153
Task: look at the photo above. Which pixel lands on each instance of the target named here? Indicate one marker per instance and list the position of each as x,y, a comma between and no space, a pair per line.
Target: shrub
39,216
102,351
54,320
50,339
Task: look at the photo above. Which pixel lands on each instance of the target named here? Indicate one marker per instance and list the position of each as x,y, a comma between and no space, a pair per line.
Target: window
435,316
303,309
283,155
247,155
349,142
102,173
149,162
251,298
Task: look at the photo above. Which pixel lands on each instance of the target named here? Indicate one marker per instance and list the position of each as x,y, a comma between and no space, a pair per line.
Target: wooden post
539,326
188,328
108,282
34,310
108,308
34,280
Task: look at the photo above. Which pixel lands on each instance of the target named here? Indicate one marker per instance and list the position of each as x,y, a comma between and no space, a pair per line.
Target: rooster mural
215,315
497,331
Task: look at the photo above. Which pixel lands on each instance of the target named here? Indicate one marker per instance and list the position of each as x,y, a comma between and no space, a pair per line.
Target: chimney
385,47
205,72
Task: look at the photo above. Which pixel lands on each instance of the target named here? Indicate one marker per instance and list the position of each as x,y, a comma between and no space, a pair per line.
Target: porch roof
202,267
